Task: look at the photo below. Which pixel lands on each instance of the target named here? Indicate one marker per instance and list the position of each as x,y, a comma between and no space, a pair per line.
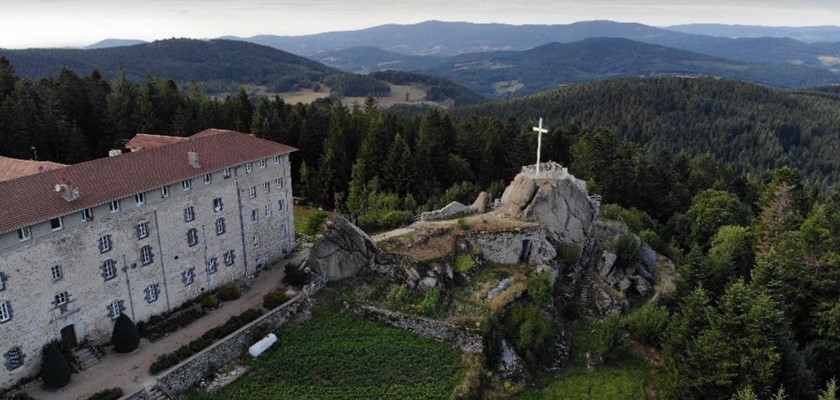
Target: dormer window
56,223
25,233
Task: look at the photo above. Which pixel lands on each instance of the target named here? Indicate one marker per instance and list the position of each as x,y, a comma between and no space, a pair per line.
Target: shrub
398,295
610,337
125,337
461,224
428,304
229,292
294,276
539,287
55,371
627,250
395,219
209,301
315,224
107,394
569,253
648,324
464,263
530,332
232,325
274,299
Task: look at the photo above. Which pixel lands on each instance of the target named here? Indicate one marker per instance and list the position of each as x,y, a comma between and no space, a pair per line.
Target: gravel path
131,371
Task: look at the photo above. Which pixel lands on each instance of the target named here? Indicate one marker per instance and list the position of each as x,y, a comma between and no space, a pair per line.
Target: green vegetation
531,332
437,89
464,263
274,299
209,301
338,356
623,377
232,325
428,305
107,394
55,371
229,292
125,336
310,222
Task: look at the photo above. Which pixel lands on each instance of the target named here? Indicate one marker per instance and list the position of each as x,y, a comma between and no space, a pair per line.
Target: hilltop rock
342,251
555,199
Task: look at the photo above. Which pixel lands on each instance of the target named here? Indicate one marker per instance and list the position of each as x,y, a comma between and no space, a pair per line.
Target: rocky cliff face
342,251
554,198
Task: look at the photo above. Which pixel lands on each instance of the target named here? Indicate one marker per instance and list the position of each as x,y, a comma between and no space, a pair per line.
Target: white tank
258,348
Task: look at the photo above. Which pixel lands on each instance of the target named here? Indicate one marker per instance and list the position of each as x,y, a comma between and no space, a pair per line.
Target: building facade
138,233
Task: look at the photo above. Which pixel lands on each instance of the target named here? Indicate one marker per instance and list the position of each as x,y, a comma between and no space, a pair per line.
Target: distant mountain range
808,34
104,44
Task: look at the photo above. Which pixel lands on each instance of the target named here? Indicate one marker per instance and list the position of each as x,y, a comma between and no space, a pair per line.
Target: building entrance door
68,336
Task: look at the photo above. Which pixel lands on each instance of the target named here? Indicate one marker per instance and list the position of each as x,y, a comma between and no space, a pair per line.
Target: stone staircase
86,357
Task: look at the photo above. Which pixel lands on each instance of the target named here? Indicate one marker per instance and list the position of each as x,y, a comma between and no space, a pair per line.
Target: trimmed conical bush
126,338
55,371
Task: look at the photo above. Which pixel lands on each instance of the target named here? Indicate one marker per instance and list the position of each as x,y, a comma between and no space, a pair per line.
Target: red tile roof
145,141
12,168
32,199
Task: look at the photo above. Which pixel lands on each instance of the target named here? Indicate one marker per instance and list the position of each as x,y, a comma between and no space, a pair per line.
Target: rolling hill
362,60
506,74
454,38
183,60
751,126
807,34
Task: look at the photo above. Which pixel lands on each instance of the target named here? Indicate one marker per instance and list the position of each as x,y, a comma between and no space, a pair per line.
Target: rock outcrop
451,210
555,199
342,251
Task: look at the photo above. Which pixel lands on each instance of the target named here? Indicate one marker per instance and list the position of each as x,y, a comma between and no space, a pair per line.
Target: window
2,281
279,182
280,205
61,299
268,210
146,255
226,173
87,215
218,205
104,244
188,277
262,163
164,192
140,199
228,257
255,215
152,291
108,270
211,266
189,214
56,223
277,159
114,206
5,312
249,167
186,185
115,309
56,272
192,237
142,230
208,178
220,226
252,192
256,240
25,233
266,187
14,358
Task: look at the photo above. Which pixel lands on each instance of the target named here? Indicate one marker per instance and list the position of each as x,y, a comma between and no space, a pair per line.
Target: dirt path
131,371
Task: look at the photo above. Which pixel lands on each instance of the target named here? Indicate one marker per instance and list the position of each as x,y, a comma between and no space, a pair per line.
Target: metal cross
541,130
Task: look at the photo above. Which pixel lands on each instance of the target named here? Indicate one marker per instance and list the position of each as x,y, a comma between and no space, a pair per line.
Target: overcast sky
56,23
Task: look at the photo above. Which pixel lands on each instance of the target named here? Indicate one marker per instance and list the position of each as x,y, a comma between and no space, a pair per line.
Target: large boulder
555,198
342,251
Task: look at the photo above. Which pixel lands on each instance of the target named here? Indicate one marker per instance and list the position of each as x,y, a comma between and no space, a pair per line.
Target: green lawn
337,356
623,378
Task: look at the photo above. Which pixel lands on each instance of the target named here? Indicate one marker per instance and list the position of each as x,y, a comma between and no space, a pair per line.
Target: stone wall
186,374
467,342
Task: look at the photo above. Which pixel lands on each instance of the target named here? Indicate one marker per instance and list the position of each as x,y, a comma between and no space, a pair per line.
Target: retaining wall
467,342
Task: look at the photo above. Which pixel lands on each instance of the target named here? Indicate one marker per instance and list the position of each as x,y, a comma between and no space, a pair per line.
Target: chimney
192,159
67,191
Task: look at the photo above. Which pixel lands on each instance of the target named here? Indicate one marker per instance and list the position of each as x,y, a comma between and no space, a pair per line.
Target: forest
746,204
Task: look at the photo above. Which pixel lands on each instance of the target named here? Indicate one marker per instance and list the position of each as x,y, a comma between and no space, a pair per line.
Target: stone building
138,233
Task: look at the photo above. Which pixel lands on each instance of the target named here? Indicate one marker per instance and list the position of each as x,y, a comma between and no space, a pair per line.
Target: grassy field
338,356
627,377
